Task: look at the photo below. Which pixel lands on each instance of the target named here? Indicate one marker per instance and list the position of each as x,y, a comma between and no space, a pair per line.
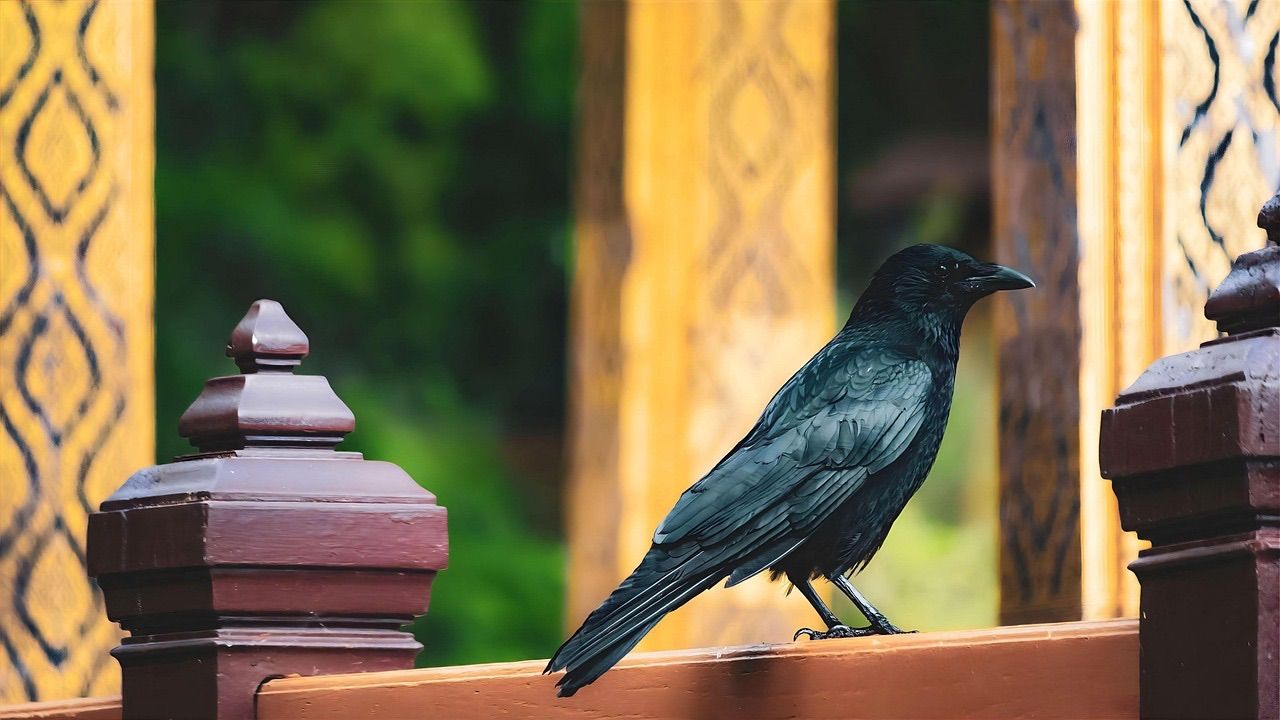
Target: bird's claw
884,627
837,631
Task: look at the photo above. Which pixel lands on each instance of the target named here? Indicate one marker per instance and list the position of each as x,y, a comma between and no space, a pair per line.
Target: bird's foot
836,631
881,626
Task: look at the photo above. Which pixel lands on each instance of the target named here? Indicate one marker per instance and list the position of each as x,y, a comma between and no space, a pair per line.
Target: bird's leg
835,628
878,621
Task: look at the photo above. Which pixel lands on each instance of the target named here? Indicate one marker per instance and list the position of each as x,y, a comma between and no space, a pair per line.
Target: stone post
267,552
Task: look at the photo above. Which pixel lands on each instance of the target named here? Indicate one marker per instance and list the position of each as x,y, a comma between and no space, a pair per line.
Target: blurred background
418,225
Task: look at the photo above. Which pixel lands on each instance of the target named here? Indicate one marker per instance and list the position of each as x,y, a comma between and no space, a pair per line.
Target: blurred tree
396,173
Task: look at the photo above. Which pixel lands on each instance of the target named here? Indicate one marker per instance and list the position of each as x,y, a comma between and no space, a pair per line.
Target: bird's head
933,281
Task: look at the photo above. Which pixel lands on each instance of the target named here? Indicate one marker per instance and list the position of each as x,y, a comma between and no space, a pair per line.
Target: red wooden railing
269,554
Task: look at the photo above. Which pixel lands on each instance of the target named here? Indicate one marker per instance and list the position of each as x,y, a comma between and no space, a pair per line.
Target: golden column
704,272
76,268
1131,143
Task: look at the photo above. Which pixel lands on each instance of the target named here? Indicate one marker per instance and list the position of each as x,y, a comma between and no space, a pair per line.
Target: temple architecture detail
1132,143
76,284
705,249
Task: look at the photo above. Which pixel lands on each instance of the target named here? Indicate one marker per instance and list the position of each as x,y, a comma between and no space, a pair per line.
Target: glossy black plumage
813,488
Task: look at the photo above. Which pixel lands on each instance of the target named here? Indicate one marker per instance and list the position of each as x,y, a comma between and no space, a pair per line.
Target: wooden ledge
1063,670
98,708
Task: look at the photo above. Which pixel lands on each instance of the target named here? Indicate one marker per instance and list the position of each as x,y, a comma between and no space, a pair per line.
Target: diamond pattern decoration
57,371
16,241
75,351
21,486
1226,118
20,46
13,670
58,148
758,120
95,40
728,239
760,153
53,609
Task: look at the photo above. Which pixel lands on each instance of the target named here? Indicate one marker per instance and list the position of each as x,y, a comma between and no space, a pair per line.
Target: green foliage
501,597
396,173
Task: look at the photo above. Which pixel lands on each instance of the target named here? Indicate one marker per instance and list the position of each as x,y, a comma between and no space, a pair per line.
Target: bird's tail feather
626,616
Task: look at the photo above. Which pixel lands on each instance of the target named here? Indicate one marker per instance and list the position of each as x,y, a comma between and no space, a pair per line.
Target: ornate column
266,553
704,271
1130,142
76,415
1193,449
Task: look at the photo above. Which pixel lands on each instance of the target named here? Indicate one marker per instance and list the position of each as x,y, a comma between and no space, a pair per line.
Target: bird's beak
989,277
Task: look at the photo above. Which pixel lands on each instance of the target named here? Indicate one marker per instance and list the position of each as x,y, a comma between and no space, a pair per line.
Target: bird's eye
946,272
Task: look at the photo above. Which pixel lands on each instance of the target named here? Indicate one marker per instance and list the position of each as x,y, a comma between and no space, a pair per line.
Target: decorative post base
267,554
216,674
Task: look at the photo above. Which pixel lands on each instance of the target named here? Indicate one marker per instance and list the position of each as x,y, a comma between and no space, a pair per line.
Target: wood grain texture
1036,230
76,416
704,272
1134,142
1072,670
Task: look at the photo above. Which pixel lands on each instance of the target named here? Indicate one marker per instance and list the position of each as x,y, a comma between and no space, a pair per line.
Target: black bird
812,490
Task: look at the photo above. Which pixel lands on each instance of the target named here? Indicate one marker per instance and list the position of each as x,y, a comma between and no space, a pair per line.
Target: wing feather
840,419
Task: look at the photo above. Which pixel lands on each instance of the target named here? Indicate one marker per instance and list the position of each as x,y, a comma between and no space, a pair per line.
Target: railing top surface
1055,670
1062,670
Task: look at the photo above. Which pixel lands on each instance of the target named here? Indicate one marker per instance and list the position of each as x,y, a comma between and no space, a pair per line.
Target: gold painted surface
1117,76
1176,146
76,405
1221,141
704,272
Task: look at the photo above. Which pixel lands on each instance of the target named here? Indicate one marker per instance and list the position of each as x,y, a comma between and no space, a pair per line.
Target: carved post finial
266,405
267,339
269,552
1249,299
1269,219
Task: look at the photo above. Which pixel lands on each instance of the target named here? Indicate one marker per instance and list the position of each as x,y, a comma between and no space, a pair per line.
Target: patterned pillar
1131,141
704,271
76,415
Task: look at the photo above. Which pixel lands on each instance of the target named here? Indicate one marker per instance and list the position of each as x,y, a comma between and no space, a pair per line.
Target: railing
1061,671
271,555
1067,671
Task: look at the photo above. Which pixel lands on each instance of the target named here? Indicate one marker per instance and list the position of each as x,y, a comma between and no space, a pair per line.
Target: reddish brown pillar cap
1193,450
267,552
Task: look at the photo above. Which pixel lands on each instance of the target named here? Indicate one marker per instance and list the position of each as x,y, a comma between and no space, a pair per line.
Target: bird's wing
844,416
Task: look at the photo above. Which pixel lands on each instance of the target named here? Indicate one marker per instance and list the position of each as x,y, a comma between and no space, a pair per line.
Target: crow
813,488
